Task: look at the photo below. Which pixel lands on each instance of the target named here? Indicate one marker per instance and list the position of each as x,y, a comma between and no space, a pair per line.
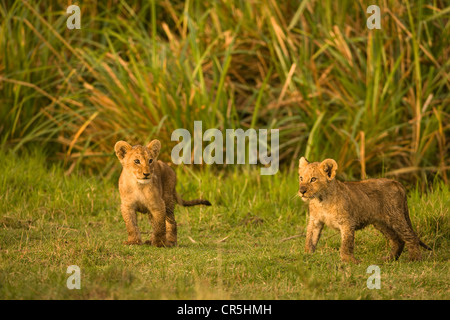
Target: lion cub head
314,177
138,160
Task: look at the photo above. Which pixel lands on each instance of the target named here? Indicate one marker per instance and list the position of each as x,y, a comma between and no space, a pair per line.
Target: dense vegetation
375,100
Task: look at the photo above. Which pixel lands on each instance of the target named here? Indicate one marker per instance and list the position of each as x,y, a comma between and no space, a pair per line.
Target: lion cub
147,185
350,206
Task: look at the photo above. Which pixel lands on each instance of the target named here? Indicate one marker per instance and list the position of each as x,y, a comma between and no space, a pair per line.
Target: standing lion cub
350,206
147,185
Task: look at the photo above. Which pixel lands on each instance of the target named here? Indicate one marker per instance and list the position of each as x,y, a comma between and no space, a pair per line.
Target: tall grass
375,100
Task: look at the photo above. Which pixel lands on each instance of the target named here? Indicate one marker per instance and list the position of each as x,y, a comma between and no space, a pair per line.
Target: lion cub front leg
171,225
313,232
129,216
158,220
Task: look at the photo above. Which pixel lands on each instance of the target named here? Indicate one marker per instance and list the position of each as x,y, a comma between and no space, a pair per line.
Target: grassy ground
232,250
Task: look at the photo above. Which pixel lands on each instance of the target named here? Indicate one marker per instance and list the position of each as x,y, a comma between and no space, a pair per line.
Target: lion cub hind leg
410,238
397,244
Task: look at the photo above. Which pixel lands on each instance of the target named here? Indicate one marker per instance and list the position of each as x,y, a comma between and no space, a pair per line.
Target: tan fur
149,187
350,206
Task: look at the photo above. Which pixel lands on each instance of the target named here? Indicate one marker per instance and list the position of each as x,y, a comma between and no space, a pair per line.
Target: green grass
232,250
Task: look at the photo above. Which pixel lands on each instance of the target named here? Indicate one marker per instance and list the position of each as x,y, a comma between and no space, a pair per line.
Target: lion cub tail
190,203
408,220
424,245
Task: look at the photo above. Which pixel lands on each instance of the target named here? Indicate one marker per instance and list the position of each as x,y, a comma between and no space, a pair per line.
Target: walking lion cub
350,206
148,185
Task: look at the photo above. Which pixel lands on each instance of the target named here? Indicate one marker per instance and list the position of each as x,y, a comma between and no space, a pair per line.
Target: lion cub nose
302,190
146,174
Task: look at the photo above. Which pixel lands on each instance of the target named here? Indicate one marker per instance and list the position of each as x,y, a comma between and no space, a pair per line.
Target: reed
375,100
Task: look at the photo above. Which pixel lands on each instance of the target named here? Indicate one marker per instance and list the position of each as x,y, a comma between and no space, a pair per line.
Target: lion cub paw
132,242
350,259
160,243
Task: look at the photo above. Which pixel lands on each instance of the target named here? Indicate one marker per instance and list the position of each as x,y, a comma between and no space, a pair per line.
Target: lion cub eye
301,178
137,161
313,179
150,161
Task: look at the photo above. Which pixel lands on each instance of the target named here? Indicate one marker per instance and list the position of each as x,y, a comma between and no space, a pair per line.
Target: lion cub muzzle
302,193
146,179
302,190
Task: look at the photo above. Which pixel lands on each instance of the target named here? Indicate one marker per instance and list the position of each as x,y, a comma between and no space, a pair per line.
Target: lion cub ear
329,166
302,162
154,146
121,148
